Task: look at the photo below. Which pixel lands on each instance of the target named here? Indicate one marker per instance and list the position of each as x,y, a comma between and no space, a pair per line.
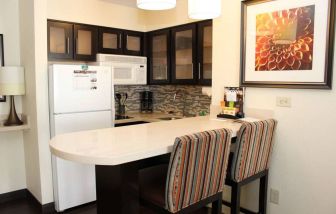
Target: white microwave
127,70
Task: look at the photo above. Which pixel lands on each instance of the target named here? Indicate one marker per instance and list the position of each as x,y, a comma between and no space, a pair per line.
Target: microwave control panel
141,74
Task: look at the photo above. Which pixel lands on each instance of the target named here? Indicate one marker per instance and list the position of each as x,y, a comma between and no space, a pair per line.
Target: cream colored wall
27,40
162,19
97,12
12,162
304,158
34,58
105,13
41,72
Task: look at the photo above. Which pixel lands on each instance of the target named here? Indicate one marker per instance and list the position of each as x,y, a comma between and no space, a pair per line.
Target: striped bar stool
251,160
196,175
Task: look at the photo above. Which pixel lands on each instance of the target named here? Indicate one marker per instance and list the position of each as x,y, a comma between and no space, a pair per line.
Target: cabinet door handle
76,42
68,45
126,42
119,40
199,70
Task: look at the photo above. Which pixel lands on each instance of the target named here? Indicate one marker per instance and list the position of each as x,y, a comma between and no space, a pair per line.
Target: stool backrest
253,149
197,168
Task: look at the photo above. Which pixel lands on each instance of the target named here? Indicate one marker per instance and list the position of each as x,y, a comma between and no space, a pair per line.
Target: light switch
284,102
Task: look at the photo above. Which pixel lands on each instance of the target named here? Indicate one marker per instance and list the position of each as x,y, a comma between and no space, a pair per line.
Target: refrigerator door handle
80,112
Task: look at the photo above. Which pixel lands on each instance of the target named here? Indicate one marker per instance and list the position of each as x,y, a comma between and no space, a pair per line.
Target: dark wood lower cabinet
117,186
114,192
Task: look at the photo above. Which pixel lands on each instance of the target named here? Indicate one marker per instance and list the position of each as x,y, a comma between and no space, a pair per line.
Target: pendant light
204,9
156,4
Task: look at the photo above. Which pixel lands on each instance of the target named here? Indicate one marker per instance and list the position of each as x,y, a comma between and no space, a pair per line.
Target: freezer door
74,183
77,89
65,123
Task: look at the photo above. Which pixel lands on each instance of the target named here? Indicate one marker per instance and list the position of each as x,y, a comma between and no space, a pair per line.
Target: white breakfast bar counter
118,153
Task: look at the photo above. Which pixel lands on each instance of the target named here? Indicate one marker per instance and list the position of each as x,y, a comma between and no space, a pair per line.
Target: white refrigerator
81,98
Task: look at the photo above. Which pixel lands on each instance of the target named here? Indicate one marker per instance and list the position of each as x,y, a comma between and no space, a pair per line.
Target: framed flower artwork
287,44
2,98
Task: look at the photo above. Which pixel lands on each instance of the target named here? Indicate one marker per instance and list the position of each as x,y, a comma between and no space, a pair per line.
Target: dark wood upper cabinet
159,57
68,41
110,41
60,41
118,41
86,41
176,55
133,43
181,54
184,54
204,49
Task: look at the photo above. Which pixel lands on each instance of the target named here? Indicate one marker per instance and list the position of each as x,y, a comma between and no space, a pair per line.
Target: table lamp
12,84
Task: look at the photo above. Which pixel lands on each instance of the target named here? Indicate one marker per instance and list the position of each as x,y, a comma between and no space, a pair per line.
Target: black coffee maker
146,101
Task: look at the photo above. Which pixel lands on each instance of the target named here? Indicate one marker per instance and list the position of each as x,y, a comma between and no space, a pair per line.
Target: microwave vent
121,59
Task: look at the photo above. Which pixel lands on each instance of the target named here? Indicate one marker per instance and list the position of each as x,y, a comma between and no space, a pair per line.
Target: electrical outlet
284,102
274,197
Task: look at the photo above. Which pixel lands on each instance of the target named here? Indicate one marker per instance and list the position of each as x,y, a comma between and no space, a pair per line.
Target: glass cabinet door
159,57
110,41
60,40
85,42
205,52
133,43
184,53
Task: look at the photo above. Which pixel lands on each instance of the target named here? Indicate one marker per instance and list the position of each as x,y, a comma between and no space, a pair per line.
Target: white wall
304,160
12,162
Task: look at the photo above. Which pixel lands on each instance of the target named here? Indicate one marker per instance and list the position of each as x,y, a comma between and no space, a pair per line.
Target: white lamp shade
156,4
204,9
12,81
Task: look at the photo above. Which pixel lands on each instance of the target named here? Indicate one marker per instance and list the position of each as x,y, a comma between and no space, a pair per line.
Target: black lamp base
13,119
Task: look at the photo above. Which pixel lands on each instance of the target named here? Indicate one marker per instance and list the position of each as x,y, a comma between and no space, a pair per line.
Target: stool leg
217,206
263,194
235,199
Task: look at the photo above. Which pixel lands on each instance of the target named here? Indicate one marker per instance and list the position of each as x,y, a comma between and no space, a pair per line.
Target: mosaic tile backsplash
163,98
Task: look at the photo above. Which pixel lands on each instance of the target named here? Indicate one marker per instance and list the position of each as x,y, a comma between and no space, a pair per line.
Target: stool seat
249,160
193,178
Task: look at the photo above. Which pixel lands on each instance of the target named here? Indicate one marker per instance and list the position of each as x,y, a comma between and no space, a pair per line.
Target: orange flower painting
285,40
